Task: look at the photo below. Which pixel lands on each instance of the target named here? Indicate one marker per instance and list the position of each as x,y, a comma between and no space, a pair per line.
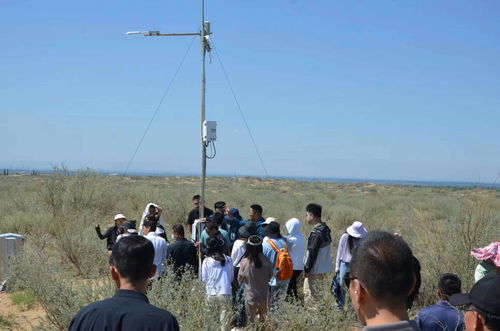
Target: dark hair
352,243
272,230
218,218
133,257
215,250
164,234
418,281
196,197
152,206
179,229
449,284
211,225
384,265
257,209
219,204
153,220
254,252
150,224
314,209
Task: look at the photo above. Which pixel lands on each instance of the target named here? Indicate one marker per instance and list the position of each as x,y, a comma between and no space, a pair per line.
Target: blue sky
346,89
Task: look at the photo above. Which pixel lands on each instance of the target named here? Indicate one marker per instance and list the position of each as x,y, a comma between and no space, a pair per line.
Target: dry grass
64,264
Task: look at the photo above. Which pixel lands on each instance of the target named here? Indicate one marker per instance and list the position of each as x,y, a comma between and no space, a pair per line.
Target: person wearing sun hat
112,232
482,304
489,257
347,243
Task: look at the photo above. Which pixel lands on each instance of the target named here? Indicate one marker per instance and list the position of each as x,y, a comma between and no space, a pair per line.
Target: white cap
357,230
269,220
118,216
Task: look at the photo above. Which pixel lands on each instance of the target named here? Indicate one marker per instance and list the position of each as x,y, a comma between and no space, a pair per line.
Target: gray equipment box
10,244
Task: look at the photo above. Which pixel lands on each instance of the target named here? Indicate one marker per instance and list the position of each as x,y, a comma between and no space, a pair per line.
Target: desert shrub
65,266
7,322
186,300
59,293
53,190
80,250
86,190
294,316
25,300
443,245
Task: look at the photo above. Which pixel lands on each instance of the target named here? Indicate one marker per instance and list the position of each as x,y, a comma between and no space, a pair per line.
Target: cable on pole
244,119
159,105
240,110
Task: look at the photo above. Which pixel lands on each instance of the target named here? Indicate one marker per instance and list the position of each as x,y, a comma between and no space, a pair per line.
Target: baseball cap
129,227
484,295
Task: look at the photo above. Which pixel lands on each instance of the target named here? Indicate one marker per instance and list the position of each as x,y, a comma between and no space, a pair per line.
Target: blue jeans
340,299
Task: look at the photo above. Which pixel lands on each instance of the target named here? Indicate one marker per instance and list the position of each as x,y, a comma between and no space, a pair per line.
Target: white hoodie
217,278
296,243
145,213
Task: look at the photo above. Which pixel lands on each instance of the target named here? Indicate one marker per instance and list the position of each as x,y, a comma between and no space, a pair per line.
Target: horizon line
346,180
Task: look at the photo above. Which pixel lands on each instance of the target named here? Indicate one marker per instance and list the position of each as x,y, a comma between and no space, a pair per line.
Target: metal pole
202,119
202,113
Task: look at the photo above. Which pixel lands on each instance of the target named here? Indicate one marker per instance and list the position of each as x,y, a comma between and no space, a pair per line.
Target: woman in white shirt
217,274
347,244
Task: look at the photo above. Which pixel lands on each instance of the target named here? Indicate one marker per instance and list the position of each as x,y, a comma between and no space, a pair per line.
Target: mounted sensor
209,131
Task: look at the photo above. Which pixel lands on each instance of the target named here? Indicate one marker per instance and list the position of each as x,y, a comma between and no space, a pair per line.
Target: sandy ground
24,320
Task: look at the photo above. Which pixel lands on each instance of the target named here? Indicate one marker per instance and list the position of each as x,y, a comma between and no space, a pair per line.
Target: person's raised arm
98,231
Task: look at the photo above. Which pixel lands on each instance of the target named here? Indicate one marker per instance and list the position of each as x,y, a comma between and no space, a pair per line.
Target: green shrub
25,300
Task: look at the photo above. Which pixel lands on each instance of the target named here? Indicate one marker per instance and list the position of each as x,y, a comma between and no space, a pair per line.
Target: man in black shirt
195,213
182,253
129,309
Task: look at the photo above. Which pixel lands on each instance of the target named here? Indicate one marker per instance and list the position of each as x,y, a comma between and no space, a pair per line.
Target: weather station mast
208,129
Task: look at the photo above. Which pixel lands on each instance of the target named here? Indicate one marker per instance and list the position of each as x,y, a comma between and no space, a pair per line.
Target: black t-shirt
126,311
182,253
195,214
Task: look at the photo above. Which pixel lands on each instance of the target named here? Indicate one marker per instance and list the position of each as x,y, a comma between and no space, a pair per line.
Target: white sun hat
118,216
357,230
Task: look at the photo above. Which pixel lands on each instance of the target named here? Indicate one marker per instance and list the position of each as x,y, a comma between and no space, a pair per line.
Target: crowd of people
250,267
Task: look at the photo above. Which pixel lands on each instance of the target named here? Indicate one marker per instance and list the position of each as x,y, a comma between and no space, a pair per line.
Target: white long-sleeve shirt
343,253
217,278
238,251
160,246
